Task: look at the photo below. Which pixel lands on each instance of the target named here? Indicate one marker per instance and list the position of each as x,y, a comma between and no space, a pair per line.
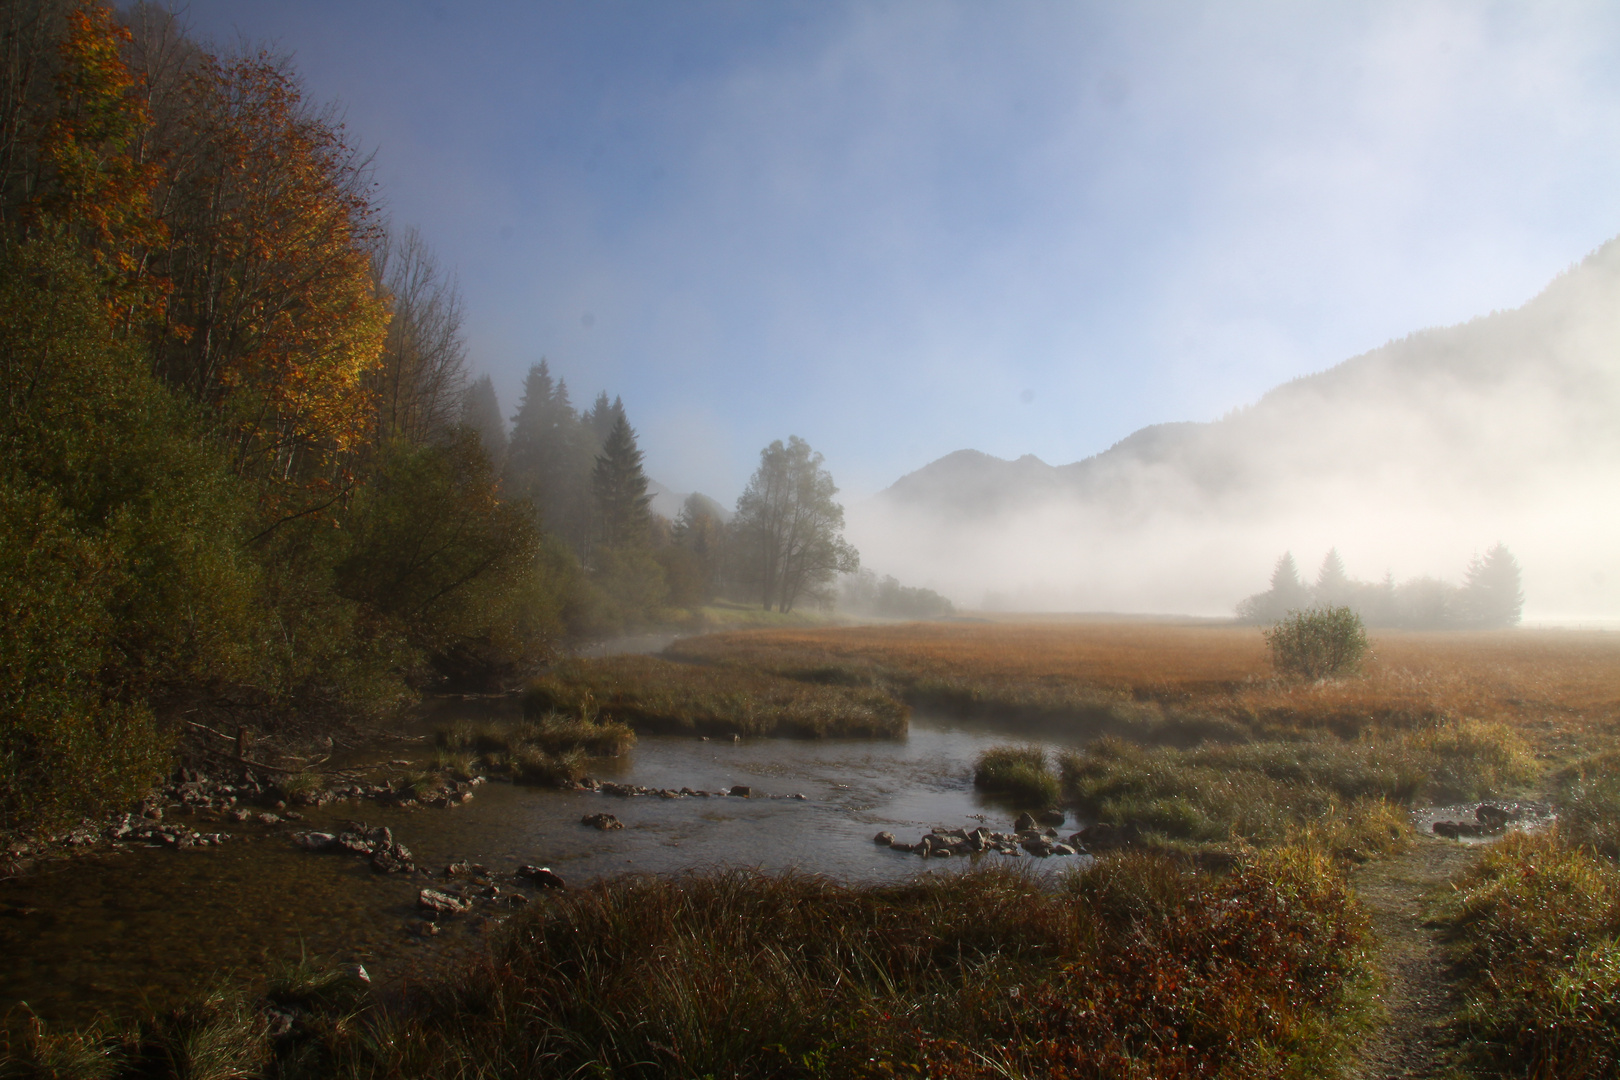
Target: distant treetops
1490,597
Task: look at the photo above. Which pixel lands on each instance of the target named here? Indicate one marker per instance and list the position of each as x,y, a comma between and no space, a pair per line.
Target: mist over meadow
1408,460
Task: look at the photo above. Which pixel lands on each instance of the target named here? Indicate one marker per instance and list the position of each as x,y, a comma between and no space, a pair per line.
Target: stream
119,929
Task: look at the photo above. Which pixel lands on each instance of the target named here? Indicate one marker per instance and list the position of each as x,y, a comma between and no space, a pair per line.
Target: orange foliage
95,185
277,319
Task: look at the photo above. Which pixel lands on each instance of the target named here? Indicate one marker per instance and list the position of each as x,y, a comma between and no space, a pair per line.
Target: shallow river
144,924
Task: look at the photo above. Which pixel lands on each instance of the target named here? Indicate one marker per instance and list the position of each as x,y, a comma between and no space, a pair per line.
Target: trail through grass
1418,994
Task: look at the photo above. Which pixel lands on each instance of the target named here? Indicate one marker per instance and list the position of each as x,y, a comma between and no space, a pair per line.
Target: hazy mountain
1409,458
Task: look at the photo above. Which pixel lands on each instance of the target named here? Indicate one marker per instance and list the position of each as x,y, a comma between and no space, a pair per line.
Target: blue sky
898,229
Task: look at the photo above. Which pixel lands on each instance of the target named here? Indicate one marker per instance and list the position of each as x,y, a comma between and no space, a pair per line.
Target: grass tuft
1022,773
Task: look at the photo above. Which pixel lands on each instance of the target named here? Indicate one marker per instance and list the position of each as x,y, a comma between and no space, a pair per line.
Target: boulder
885,839
1494,818
1063,849
315,841
1051,817
441,903
741,791
602,821
1024,823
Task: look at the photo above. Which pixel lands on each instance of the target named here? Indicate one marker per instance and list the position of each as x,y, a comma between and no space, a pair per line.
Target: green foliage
120,574
1318,643
1021,772
447,566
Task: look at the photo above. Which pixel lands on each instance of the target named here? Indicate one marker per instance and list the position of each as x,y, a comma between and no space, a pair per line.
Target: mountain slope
1408,458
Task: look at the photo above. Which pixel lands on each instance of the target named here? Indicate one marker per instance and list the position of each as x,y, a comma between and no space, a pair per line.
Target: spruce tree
481,411
1492,598
620,487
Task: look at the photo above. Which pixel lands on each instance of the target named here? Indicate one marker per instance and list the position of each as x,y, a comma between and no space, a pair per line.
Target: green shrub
1021,772
1318,643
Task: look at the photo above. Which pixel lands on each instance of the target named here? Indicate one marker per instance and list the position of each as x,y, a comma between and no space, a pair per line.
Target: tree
481,411
1287,593
420,384
1333,585
790,527
1491,597
620,487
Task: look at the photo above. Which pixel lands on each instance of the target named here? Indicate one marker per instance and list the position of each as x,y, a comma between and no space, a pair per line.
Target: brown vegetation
656,695
1560,690
1134,968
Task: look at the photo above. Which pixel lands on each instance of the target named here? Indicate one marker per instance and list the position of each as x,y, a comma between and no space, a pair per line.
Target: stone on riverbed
441,903
602,821
741,791
315,841
1024,823
886,839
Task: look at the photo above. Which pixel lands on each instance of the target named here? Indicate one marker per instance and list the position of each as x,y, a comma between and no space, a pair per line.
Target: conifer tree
481,411
1492,598
1333,585
619,485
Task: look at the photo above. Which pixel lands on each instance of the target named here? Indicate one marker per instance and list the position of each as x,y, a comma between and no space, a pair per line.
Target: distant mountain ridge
1492,429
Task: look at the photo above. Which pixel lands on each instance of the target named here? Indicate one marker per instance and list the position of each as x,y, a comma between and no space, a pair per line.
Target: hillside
1408,458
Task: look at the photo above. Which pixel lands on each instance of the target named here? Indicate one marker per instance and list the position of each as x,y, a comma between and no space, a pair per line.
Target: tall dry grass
1559,689
651,694
1134,969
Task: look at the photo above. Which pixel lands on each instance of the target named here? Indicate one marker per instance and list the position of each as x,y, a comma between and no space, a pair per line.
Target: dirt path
1418,991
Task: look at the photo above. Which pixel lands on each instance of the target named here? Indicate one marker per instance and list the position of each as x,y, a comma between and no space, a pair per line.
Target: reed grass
1023,773
552,750
651,694
1137,967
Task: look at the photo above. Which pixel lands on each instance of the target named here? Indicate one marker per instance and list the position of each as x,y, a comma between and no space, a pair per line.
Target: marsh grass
651,694
1183,684
1136,967
1022,773
1536,932
1348,793
552,750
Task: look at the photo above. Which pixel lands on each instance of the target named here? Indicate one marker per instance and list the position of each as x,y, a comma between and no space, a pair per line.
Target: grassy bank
652,694
1352,794
1134,968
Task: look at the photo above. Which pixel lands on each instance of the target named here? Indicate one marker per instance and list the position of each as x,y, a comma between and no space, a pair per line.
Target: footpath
1418,988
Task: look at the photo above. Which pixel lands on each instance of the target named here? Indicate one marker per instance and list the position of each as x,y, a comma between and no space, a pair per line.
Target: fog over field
1407,459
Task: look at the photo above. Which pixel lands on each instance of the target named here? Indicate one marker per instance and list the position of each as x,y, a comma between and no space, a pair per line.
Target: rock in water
886,839
441,903
1024,823
602,821
315,841
542,876
741,791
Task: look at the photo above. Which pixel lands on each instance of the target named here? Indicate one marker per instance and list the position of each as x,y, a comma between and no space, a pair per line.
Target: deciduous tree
790,526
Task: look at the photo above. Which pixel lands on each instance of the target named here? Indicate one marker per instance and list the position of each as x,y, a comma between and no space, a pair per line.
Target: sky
899,229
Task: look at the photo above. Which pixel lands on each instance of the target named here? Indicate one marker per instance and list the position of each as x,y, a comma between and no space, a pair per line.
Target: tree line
1489,598
243,463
